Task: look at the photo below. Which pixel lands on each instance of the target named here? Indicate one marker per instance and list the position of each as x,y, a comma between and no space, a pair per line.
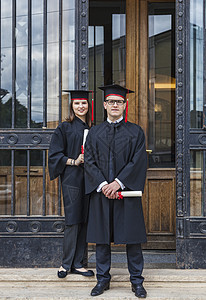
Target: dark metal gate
31,210
190,134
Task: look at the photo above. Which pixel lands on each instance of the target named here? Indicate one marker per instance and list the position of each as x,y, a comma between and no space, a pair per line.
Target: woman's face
80,107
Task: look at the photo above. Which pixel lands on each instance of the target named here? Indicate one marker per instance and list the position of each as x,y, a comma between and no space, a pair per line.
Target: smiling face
114,111
80,108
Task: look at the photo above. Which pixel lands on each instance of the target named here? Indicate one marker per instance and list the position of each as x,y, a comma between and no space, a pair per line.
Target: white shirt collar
117,121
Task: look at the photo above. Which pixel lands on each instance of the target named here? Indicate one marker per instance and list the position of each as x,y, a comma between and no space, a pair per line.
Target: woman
66,160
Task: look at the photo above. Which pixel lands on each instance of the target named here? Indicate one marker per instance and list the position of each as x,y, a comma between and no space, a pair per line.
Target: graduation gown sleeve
133,175
93,175
57,159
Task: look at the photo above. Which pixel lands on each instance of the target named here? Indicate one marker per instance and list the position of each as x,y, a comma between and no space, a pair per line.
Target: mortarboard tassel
92,108
126,114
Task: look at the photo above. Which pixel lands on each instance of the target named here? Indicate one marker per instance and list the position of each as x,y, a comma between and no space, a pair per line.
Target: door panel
151,74
159,208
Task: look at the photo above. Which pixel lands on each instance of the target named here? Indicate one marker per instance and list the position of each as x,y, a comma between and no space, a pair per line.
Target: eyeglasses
118,102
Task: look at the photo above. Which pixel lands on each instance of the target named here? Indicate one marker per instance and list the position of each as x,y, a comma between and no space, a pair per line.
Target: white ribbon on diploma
86,131
129,194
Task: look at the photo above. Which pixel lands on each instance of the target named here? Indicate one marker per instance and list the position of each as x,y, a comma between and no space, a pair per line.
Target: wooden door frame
135,66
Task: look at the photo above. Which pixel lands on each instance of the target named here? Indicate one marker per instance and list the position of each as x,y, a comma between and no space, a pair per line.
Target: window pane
20,171
68,61
6,64
196,63
37,86
21,87
37,63
5,182
119,48
37,7
197,160
52,195
161,104
107,51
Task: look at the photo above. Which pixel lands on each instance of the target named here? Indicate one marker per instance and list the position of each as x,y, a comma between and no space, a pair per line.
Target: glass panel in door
161,105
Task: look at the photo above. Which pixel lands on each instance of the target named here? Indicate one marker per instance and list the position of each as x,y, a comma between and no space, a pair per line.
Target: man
115,159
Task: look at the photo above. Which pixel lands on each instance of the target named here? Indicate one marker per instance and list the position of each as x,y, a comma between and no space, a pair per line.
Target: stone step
59,291
163,284
118,275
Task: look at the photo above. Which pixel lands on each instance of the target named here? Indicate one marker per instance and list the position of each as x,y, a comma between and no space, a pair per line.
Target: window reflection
37,64
5,182
197,167
161,129
196,63
38,205
37,7
6,64
21,87
96,67
107,51
119,48
37,86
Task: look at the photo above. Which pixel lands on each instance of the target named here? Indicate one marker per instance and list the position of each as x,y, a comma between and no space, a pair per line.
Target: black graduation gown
66,143
130,164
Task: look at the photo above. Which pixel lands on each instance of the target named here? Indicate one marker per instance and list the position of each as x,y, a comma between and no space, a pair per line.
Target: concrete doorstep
170,284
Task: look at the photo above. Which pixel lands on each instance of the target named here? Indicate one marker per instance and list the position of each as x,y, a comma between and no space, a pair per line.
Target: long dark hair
72,114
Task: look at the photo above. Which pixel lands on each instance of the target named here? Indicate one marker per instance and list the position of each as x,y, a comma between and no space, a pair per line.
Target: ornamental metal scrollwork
180,116
11,226
203,227
35,226
202,139
82,40
12,139
58,226
36,139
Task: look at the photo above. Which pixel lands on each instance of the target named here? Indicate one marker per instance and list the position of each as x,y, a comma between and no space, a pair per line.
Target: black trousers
134,259
74,246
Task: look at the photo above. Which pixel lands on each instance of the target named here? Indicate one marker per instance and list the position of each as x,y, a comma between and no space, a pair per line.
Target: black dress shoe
139,290
87,273
62,274
100,288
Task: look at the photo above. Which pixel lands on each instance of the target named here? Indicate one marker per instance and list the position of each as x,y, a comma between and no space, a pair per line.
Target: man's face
116,109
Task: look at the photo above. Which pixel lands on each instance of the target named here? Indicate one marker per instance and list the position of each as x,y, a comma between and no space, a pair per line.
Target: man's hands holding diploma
110,190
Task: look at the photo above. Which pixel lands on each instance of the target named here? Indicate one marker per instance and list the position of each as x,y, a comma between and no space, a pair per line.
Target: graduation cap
116,90
78,94
81,95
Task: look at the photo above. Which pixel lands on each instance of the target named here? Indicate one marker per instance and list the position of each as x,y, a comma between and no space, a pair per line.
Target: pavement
160,283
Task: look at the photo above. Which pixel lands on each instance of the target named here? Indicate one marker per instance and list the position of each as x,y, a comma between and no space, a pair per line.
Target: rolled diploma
84,140
86,131
131,193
